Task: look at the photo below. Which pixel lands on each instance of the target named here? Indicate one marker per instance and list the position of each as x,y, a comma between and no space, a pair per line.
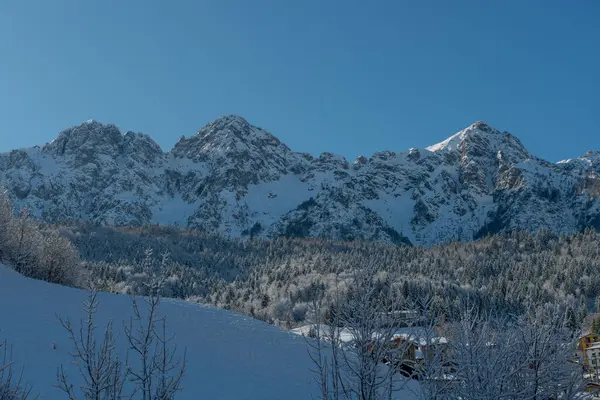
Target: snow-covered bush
36,251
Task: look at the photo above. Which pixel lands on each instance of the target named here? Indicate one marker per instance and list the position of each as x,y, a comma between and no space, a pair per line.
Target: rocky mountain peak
228,136
478,131
105,138
228,123
482,140
483,127
592,154
361,160
84,143
141,147
238,179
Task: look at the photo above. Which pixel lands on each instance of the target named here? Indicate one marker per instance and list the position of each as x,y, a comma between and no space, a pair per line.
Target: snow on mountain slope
230,356
238,179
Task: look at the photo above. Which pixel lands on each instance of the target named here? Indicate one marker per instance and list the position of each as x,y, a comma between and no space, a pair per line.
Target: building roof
595,346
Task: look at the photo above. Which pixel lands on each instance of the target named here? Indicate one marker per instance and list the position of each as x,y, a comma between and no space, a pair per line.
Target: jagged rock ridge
240,180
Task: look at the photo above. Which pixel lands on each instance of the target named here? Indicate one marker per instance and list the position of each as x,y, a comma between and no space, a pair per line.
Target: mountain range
239,180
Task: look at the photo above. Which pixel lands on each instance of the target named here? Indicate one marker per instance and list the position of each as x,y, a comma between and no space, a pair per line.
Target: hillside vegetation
277,280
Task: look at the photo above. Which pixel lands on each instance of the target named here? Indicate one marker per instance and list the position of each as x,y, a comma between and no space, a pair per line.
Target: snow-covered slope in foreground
230,356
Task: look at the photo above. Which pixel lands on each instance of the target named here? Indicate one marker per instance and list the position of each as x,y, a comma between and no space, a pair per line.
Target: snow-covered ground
230,356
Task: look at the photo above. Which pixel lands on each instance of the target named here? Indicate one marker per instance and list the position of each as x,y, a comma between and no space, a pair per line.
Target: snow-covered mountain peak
240,180
482,140
226,136
592,155
590,161
361,160
85,142
93,135
483,126
454,142
228,120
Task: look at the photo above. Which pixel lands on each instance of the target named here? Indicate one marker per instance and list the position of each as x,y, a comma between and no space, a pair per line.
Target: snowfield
230,356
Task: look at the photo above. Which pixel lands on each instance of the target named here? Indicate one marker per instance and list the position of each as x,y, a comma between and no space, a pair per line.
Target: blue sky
339,76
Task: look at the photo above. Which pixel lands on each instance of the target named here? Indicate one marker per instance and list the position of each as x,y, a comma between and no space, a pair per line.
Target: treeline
275,280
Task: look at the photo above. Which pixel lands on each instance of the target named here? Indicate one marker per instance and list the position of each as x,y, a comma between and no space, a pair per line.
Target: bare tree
57,260
155,373
545,346
158,374
12,387
505,357
368,313
431,367
323,342
24,237
169,371
99,366
355,352
484,353
6,215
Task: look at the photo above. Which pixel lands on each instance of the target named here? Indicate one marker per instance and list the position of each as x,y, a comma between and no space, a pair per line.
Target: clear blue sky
339,76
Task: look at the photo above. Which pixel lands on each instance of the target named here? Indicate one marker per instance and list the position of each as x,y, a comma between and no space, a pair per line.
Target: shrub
35,251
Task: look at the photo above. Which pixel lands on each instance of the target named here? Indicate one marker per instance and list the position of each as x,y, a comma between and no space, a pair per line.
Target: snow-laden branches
12,387
159,374
99,366
151,370
373,342
36,251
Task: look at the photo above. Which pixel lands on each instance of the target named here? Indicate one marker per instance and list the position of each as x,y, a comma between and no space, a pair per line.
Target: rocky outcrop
238,179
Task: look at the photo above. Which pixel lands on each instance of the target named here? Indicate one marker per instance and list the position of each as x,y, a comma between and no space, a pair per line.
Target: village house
589,347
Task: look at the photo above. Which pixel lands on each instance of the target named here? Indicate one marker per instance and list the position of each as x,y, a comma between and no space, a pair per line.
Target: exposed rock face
240,180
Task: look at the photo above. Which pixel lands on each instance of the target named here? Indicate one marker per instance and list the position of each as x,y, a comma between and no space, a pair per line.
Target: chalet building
589,346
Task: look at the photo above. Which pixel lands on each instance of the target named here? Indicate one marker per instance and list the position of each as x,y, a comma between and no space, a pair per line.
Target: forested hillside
277,280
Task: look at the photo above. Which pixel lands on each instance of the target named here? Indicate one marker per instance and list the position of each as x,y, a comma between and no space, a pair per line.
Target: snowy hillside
240,180
230,356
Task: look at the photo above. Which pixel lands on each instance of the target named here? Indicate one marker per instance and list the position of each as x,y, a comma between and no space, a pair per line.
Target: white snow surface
449,144
230,356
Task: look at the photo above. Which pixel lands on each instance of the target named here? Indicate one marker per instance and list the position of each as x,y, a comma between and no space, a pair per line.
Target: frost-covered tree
545,346
12,386
57,261
6,215
34,250
355,346
150,371
523,358
158,374
102,374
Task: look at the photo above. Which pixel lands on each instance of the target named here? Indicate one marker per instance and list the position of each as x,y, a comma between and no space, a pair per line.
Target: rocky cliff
240,180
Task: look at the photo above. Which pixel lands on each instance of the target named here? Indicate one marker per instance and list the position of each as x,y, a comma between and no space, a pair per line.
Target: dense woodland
276,280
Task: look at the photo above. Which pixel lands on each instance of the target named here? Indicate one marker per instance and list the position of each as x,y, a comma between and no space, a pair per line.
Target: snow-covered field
230,356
